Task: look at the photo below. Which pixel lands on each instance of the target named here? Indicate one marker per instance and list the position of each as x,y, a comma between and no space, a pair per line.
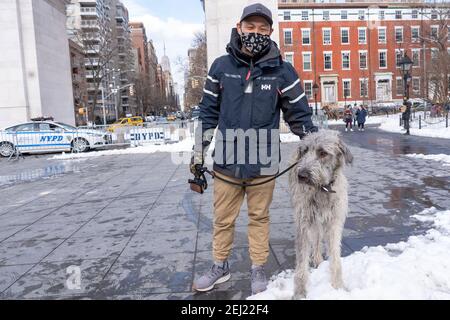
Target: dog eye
323,154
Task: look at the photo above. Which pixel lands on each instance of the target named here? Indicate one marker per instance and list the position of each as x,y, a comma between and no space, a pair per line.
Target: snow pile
416,269
184,145
438,130
445,158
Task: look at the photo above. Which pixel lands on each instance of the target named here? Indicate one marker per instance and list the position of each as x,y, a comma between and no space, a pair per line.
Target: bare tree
437,37
100,50
195,69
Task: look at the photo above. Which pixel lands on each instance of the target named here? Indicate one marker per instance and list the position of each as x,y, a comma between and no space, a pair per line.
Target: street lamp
315,90
405,67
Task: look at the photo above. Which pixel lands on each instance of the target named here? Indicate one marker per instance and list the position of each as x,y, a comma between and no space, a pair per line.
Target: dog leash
199,184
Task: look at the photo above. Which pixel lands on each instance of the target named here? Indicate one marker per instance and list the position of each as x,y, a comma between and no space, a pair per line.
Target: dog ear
345,152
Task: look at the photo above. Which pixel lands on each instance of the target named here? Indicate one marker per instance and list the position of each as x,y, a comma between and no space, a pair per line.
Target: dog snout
304,175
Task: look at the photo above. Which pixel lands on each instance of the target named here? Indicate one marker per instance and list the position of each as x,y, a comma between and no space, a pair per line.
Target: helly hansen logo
266,87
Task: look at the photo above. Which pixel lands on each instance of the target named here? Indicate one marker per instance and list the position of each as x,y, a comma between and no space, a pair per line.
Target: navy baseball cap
257,9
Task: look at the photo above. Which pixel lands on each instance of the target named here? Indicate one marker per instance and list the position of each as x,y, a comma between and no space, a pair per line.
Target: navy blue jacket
245,93
361,115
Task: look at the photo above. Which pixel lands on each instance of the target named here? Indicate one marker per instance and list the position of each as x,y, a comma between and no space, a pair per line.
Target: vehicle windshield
66,126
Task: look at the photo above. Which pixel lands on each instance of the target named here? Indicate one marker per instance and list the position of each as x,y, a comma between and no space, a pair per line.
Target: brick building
353,49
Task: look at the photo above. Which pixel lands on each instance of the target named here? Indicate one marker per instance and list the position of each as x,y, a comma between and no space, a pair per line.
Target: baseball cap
257,9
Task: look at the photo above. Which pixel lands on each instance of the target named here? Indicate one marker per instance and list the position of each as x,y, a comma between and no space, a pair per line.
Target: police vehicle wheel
6,149
80,145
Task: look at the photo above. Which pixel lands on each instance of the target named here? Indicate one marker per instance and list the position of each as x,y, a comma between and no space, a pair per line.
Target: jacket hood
271,55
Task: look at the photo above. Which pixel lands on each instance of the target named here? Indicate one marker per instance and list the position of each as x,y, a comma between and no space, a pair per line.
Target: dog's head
319,157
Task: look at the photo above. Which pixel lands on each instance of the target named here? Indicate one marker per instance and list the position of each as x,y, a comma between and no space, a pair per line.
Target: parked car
50,136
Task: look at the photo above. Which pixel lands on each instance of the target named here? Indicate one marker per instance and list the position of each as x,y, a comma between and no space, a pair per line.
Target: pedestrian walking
361,116
348,118
354,110
245,90
406,115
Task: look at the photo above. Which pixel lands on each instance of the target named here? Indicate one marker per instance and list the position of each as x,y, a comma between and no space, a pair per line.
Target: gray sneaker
217,274
259,280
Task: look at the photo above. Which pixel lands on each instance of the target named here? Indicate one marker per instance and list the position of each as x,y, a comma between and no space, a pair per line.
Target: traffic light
81,111
131,90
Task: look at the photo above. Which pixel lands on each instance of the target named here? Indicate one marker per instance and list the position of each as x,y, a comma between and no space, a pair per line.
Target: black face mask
255,42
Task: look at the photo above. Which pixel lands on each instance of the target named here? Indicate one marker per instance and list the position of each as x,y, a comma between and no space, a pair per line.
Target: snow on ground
416,269
438,130
444,158
184,145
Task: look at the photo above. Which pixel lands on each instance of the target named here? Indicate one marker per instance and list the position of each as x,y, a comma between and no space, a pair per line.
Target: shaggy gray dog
319,196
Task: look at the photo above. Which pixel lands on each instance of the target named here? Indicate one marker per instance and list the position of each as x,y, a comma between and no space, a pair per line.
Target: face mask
255,42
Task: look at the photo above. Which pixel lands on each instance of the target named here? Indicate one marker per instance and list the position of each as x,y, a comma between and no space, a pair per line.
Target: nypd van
50,136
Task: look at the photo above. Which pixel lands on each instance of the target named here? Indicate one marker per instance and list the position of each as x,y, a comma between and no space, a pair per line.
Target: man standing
245,91
406,115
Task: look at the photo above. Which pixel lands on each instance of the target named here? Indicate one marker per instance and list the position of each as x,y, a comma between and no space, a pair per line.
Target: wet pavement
135,230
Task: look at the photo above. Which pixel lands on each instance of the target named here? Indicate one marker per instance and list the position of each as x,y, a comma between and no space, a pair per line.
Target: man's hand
196,163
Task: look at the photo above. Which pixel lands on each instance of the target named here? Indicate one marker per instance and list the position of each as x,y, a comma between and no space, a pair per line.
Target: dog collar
328,187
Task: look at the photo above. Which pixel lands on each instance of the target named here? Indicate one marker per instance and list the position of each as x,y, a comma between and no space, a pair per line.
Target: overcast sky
171,21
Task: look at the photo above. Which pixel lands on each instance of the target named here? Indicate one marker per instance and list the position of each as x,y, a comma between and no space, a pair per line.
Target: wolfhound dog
319,195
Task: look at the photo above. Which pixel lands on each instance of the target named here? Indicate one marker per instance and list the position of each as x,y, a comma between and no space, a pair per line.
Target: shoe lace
215,271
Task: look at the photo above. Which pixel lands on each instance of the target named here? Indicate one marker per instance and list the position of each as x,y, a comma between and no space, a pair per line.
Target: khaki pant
227,203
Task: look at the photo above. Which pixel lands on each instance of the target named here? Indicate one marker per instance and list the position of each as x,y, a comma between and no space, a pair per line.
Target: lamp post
315,90
405,67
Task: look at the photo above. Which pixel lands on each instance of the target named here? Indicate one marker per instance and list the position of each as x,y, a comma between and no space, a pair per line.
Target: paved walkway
136,231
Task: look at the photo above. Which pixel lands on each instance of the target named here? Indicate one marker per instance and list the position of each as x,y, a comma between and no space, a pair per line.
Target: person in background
361,115
348,118
354,110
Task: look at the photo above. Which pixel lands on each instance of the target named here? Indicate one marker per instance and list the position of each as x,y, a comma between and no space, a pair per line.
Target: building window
346,60
416,57
381,15
327,61
343,14
434,53
398,34
434,15
434,32
363,87
289,57
345,36
326,15
305,16
382,59
306,36
361,15
306,61
287,37
362,35
399,86
308,89
415,14
326,36
399,54
415,33
363,59
416,85
287,16
381,35
347,87
398,14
